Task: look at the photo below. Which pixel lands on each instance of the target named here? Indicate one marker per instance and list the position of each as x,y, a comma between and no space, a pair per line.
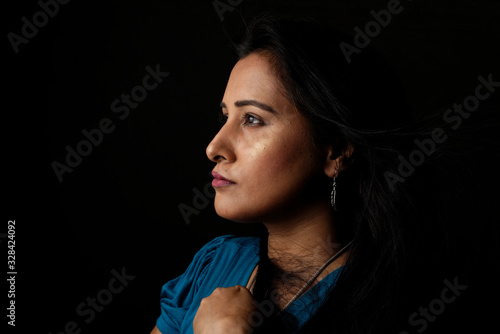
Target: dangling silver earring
333,195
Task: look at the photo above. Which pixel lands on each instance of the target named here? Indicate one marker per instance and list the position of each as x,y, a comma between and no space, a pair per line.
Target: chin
232,213
234,216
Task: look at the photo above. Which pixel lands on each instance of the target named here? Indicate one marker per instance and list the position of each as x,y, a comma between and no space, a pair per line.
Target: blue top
224,262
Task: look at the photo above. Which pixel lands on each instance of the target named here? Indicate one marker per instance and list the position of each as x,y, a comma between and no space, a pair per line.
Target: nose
221,148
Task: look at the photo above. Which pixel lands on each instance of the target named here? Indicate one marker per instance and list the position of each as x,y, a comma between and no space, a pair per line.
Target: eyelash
223,119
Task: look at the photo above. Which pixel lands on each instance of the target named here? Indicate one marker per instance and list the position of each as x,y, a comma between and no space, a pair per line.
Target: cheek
268,161
279,171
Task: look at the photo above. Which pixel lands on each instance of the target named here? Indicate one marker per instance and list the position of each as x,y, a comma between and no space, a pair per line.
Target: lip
220,181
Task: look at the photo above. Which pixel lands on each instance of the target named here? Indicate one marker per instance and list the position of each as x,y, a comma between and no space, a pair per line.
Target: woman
308,148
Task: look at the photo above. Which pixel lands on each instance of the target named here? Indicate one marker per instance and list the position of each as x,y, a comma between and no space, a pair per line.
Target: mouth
220,181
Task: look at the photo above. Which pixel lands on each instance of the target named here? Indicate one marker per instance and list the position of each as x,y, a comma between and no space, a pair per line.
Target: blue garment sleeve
179,295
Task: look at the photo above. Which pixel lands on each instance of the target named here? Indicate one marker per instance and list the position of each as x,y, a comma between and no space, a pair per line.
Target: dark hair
358,106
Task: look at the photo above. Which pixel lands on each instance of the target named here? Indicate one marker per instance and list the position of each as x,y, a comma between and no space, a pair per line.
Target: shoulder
234,241
222,257
228,245
228,256
222,262
222,254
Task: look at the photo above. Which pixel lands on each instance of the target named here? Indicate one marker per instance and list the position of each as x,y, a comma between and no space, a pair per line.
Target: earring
333,195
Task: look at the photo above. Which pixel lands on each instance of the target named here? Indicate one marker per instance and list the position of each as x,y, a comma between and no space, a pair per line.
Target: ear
335,162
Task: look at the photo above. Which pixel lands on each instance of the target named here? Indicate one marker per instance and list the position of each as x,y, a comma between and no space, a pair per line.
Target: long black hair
356,103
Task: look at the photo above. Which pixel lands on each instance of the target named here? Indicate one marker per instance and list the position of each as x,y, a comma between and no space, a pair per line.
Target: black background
119,207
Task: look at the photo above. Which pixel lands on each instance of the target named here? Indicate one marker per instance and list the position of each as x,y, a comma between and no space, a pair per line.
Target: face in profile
267,167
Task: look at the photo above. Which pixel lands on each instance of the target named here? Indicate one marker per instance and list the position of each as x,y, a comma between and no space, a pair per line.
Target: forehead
253,77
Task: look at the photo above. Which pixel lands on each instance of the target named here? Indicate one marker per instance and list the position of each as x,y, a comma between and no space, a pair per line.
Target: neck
308,236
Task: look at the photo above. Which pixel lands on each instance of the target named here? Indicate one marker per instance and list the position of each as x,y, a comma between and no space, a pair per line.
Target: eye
251,120
222,118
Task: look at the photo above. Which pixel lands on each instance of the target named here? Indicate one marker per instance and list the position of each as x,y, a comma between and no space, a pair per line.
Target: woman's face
264,147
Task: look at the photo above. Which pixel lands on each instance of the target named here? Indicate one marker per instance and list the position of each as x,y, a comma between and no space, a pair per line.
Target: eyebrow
254,103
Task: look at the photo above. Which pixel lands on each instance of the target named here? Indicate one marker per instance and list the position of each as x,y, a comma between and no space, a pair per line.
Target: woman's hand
225,311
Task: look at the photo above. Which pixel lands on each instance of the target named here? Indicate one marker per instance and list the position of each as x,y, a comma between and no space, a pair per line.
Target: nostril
218,158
